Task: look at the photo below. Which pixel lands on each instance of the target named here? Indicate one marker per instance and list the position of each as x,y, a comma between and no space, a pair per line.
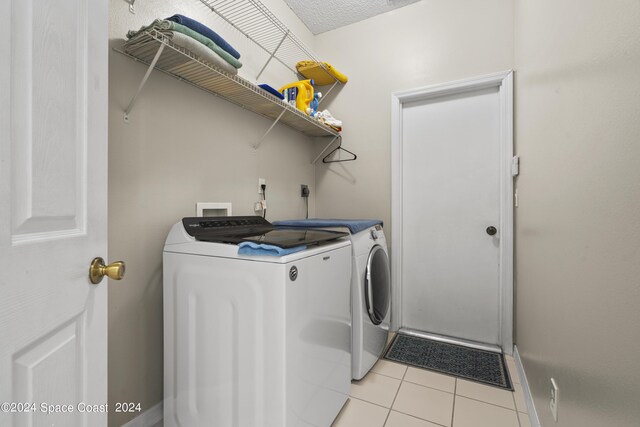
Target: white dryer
254,340
370,287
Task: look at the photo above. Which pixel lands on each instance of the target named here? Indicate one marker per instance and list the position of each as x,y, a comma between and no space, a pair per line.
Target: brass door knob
98,270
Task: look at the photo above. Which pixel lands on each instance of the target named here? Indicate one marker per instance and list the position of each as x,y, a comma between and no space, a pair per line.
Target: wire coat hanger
339,148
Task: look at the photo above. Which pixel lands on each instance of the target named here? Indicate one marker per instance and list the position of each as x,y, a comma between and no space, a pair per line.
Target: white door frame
504,82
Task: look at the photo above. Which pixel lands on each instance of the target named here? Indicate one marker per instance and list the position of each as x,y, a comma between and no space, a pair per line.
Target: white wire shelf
256,22
159,52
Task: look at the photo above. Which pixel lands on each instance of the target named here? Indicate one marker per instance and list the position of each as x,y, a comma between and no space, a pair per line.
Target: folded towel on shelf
260,249
322,73
201,51
354,225
157,24
326,118
164,25
271,90
205,31
207,42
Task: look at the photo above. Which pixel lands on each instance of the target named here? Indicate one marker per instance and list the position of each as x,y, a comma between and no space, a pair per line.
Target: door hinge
515,166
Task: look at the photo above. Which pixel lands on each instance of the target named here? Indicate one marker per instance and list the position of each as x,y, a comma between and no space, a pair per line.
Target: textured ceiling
325,15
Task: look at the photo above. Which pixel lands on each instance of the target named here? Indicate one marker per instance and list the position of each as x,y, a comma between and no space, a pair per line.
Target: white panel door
451,195
53,158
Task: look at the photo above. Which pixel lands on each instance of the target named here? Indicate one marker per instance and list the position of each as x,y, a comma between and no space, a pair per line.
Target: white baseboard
148,418
533,415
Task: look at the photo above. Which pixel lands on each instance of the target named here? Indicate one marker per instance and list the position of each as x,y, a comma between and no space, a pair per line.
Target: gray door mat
482,366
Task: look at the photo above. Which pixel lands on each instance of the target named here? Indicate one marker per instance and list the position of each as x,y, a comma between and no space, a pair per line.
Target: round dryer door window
377,289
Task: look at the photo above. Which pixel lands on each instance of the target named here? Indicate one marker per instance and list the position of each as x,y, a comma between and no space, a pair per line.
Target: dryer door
377,289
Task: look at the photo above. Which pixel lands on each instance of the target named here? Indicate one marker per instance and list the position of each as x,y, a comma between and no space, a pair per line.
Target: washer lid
354,225
377,285
240,229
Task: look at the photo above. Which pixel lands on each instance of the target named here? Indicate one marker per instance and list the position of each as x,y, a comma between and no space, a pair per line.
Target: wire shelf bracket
325,149
328,92
272,55
127,111
257,144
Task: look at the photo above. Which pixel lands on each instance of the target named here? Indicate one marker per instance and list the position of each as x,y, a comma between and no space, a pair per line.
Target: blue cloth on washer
354,225
205,31
252,248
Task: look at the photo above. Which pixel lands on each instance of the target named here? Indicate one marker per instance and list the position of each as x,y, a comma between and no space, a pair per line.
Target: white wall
424,43
182,146
578,224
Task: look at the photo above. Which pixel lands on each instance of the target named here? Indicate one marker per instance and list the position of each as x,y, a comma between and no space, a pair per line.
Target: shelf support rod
324,96
143,82
272,54
257,144
325,149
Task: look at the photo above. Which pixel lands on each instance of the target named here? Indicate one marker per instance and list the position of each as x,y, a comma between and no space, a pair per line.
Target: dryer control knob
374,234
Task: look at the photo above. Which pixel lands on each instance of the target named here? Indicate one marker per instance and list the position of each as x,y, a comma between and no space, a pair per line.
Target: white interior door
452,214
53,157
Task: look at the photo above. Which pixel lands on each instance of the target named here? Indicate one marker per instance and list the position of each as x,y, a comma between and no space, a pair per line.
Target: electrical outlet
553,401
304,190
261,182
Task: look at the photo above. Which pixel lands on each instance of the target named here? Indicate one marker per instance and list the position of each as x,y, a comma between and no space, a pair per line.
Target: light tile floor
397,395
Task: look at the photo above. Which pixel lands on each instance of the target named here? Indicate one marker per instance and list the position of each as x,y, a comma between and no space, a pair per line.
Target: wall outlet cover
213,209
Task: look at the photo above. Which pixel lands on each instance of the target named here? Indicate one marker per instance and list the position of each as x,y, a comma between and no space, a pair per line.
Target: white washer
370,287
255,340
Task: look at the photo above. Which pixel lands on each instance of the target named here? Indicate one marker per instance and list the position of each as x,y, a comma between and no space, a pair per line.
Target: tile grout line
409,415
421,419
447,374
366,401
512,376
451,375
385,375
434,372
523,414
516,406
515,374
453,409
455,389
488,403
396,396
387,417
432,388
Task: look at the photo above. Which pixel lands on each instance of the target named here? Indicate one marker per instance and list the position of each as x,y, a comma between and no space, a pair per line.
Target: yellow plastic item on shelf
314,70
302,93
